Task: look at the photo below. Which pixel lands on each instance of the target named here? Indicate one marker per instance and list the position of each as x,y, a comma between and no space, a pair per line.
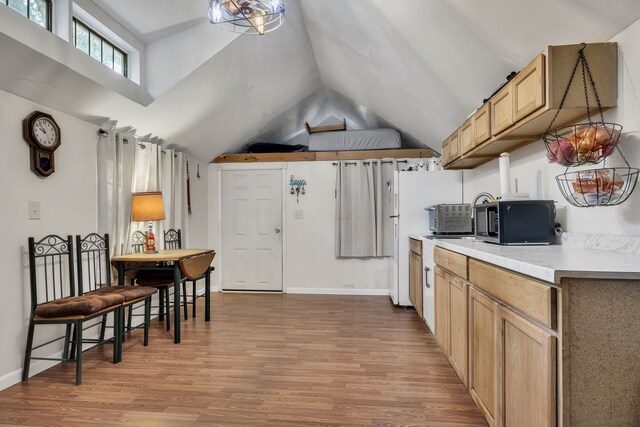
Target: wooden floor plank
265,359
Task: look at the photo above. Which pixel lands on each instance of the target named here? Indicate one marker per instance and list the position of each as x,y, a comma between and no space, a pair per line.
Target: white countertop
548,263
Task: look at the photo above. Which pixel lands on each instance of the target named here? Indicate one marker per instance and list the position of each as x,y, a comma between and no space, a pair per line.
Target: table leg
120,273
207,296
176,303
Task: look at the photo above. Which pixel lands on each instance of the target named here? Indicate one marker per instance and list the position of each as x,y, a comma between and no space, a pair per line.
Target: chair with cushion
94,278
173,240
54,300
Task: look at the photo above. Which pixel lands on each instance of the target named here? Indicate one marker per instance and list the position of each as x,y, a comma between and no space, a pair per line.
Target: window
99,48
39,11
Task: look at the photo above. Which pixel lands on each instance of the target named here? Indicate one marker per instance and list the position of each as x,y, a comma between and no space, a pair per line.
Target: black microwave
516,222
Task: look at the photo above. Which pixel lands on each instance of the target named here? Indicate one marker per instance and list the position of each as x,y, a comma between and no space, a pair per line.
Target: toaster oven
450,219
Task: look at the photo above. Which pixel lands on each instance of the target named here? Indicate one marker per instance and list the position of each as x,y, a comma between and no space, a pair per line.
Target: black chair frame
52,250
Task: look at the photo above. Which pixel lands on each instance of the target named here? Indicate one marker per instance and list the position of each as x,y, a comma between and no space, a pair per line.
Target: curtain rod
385,162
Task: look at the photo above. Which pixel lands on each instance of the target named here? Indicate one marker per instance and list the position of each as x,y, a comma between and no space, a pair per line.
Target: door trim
219,168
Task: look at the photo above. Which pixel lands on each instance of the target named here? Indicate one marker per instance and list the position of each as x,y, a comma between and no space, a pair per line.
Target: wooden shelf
310,156
329,128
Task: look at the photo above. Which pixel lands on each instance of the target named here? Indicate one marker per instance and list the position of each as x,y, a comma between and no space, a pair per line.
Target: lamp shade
147,206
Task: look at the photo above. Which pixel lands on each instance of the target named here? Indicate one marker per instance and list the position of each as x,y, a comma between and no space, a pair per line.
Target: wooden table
173,256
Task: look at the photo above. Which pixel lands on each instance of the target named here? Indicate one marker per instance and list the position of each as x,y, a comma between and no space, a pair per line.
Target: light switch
298,214
34,209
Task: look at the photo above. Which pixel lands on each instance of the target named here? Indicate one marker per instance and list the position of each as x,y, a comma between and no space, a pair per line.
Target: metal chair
54,301
94,278
173,240
161,280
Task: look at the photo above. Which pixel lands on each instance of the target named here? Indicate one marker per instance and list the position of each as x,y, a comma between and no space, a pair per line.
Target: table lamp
148,207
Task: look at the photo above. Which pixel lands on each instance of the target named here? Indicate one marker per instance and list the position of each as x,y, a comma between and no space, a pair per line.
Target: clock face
45,132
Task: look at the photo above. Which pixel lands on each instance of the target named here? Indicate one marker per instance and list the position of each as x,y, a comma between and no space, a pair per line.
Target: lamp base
150,252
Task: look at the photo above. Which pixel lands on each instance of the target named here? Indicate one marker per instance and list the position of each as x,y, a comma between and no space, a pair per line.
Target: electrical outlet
34,209
298,214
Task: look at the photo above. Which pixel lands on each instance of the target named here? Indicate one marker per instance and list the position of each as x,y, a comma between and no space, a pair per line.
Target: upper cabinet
528,89
520,112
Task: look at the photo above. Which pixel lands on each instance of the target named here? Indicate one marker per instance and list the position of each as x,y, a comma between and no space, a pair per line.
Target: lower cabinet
415,279
484,338
507,362
458,327
527,366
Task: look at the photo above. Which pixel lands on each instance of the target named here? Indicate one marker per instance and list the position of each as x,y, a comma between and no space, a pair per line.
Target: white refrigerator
412,193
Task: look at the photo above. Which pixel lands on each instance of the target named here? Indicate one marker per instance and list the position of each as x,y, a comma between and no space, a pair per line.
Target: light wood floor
288,360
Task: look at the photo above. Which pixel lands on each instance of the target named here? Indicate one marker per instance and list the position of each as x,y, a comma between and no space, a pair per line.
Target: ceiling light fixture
247,16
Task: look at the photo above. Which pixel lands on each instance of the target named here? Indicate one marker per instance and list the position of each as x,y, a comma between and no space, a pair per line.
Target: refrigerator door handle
394,216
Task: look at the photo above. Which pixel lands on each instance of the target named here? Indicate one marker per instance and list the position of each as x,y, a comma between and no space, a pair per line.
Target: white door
251,230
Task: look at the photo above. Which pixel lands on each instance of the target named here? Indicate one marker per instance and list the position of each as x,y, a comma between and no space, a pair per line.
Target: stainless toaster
450,218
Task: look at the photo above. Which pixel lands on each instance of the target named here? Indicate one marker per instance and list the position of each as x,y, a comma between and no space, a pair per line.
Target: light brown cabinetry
502,109
507,361
451,148
415,275
483,353
481,124
521,111
458,327
528,89
527,367
465,136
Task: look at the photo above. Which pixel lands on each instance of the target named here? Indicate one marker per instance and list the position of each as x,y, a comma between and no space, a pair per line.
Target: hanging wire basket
583,143
580,144
598,187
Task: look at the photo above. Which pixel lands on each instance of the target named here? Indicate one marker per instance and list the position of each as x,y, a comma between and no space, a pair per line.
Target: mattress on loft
371,139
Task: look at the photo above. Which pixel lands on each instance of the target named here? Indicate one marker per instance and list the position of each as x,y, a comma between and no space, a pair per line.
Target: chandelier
247,16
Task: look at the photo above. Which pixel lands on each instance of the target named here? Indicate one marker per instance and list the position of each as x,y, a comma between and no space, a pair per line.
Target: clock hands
42,128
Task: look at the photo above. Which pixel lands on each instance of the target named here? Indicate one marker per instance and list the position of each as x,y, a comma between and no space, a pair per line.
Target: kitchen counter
548,263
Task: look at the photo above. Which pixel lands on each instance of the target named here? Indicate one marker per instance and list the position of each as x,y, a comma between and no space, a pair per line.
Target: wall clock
42,133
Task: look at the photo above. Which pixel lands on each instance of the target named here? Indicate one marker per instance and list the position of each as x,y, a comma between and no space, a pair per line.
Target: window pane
82,38
118,62
107,55
38,12
95,44
19,5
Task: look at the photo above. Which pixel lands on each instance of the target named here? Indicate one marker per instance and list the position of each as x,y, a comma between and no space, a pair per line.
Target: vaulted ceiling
418,65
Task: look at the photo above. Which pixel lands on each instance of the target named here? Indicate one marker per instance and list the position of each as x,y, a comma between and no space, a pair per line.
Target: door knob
277,230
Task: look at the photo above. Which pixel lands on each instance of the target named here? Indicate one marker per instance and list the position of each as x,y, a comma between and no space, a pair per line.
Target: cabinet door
446,152
484,328
502,109
527,364
412,278
458,327
442,308
529,89
466,137
481,125
454,146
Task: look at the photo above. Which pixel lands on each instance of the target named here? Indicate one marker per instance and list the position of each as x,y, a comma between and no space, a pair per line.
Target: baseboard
338,291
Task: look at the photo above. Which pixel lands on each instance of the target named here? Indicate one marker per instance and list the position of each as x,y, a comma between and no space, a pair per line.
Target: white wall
536,176
68,203
310,264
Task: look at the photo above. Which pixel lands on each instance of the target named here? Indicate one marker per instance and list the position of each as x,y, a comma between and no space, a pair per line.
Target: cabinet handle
426,278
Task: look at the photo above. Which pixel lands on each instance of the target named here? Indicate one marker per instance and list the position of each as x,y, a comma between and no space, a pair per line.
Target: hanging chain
595,89
566,91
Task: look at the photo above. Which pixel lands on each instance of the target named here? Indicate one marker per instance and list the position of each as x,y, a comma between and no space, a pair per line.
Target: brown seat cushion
155,277
78,306
129,293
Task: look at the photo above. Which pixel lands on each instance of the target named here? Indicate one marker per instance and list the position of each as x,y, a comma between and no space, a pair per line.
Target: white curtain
356,210
115,177
174,192
127,165
389,166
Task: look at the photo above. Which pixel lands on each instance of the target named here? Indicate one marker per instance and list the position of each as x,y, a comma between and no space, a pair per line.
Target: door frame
219,168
